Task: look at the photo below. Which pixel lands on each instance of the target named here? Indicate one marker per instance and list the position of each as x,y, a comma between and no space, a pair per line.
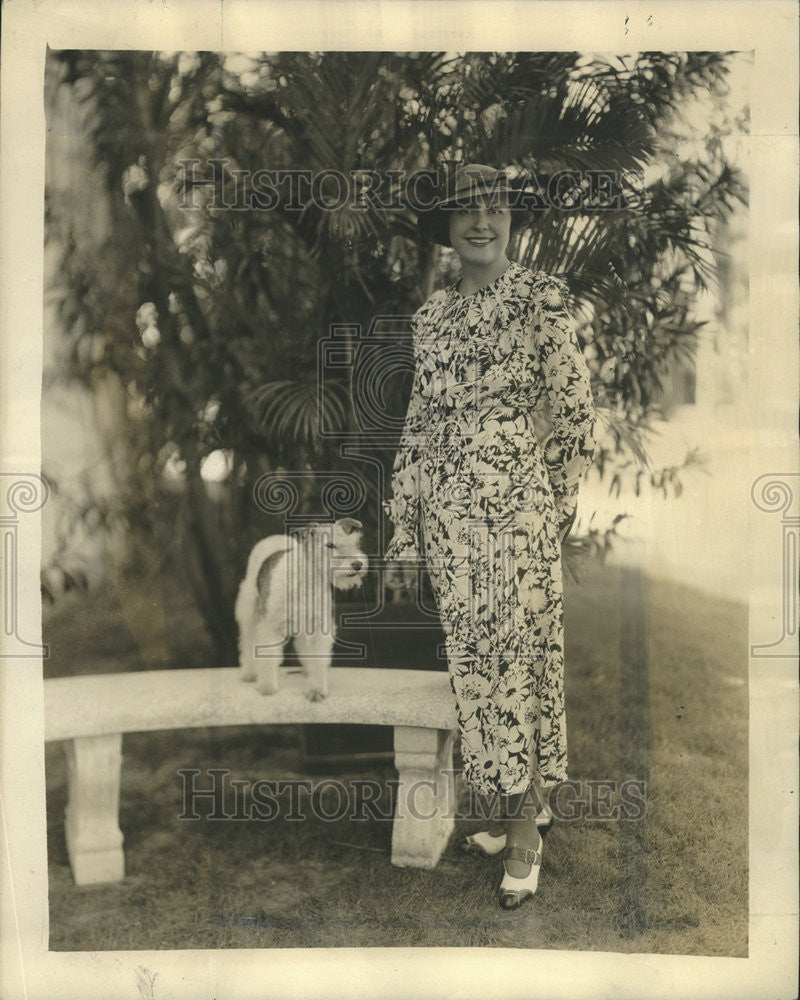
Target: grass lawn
656,692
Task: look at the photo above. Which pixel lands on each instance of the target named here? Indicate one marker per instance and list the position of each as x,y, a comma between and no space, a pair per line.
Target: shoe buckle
525,854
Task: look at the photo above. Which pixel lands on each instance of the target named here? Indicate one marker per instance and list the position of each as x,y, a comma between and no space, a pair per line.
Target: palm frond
292,410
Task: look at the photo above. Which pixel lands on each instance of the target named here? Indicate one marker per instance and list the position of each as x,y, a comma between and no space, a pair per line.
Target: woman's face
480,232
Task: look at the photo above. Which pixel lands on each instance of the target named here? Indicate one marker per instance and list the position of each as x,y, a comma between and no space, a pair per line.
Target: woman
491,506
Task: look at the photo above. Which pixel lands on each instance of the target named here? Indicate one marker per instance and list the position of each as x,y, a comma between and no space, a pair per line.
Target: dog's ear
349,525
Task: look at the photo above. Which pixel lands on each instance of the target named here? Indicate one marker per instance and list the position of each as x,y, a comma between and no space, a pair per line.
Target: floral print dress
473,486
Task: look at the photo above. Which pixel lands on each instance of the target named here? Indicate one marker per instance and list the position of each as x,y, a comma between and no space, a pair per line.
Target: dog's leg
268,643
261,642
269,628
244,619
314,627
314,651
247,663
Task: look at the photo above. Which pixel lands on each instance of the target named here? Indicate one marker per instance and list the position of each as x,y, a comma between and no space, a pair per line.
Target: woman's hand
566,513
401,573
565,526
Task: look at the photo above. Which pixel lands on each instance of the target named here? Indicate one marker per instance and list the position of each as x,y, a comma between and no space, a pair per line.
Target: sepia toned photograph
399,469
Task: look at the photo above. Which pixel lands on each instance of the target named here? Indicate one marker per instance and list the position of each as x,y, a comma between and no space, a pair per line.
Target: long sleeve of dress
403,508
569,449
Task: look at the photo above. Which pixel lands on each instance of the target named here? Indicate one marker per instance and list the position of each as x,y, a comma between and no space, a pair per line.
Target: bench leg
91,822
425,809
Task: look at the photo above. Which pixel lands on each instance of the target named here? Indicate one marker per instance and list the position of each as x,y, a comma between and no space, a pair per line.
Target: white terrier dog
286,593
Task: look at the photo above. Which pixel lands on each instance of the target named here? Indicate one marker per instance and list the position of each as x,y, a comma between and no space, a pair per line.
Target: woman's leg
521,811
496,825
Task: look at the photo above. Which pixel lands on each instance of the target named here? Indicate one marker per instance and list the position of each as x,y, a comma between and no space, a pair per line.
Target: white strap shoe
490,844
484,843
514,891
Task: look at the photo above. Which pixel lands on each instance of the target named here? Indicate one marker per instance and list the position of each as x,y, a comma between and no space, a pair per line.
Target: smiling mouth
479,241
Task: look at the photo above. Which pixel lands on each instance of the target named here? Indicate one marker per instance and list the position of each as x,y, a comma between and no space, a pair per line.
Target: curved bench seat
148,700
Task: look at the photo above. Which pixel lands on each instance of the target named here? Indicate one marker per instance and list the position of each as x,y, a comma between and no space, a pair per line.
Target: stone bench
90,713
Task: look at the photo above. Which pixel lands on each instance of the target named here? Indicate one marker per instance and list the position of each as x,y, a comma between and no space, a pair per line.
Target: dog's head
336,548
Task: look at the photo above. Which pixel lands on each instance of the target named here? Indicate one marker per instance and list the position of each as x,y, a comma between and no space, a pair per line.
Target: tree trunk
205,555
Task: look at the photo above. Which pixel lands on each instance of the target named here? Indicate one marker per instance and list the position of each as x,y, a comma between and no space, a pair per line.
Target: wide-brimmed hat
471,180
468,182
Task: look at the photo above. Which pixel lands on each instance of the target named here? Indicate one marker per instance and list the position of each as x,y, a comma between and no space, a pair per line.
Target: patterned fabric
473,485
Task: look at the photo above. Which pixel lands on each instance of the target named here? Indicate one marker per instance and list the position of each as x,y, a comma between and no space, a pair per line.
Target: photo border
770,29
